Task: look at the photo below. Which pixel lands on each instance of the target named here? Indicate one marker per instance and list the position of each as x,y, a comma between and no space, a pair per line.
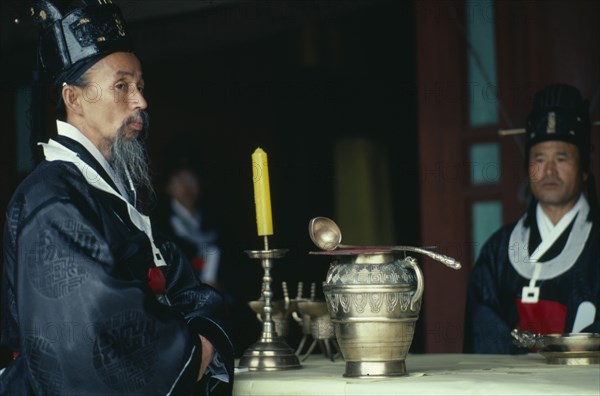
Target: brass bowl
321,325
568,348
313,308
280,309
571,342
571,348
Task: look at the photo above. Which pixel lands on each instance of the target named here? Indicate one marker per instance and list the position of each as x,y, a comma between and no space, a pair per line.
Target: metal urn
374,298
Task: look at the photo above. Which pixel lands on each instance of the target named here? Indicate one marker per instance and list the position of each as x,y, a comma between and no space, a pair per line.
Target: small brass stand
270,352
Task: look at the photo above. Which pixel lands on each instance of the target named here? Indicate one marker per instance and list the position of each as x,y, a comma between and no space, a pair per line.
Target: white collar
544,223
553,231
180,211
523,263
70,131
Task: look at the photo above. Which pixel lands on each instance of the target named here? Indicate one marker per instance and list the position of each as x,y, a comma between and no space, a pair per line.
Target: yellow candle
262,192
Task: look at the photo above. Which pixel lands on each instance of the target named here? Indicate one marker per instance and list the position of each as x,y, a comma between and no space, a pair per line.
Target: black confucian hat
71,43
560,113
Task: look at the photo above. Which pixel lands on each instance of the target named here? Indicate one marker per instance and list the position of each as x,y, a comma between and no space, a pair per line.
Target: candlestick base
270,355
270,352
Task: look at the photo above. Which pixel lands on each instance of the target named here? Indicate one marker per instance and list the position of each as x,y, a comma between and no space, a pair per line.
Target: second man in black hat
542,274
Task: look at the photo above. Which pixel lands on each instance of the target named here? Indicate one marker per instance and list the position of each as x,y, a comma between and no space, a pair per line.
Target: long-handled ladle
326,234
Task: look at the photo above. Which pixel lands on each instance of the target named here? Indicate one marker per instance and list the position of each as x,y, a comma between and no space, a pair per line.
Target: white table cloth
431,374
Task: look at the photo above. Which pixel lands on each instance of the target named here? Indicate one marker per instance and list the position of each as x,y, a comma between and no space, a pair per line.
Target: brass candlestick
270,352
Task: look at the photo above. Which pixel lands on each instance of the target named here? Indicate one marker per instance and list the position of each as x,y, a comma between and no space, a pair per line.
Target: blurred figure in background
186,221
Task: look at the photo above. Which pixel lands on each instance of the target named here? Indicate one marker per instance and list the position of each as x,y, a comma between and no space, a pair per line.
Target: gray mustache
141,117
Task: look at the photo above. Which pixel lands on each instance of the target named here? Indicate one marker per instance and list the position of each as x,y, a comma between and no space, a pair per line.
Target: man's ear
72,98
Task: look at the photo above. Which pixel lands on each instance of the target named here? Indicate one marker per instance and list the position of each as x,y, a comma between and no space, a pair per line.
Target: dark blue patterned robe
77,307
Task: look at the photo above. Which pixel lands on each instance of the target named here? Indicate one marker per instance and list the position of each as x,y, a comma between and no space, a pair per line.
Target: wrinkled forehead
118,65
554,147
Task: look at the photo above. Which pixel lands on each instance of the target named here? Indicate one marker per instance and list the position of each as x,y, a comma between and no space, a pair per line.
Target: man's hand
207,355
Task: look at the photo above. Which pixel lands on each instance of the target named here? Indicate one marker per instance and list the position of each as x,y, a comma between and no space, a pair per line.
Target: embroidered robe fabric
77,306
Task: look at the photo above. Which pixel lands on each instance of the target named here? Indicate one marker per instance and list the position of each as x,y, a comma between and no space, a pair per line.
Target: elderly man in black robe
93,301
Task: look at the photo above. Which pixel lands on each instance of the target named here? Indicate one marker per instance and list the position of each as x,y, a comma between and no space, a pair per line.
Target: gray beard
131,156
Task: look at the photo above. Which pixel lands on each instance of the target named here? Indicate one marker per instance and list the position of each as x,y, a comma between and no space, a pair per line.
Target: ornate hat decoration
559,113
94,30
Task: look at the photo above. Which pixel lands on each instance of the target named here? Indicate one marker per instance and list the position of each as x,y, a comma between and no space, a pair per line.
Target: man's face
555,176
113,98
